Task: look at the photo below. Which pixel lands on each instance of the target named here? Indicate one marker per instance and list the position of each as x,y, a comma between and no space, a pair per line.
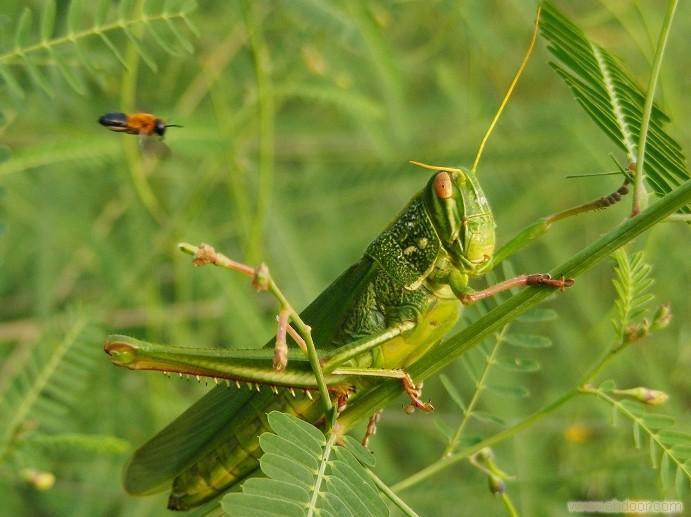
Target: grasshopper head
462,217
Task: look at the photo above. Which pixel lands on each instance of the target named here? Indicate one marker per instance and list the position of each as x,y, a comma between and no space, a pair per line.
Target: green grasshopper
377,318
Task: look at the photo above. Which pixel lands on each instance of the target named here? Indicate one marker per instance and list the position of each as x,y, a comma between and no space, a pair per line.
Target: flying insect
144,124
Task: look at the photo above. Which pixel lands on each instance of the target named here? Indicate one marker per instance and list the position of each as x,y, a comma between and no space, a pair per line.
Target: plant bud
645,395
496,485
663,317
40,480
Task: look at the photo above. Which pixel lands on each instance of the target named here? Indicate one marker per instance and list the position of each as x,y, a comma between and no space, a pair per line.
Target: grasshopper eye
443,187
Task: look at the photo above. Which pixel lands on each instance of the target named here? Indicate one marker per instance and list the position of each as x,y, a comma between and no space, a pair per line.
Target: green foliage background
300,117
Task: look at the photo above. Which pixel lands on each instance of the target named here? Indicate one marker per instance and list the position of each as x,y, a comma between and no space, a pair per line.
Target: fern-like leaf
632,281
613,100
46,383
307,474
670,450
160,21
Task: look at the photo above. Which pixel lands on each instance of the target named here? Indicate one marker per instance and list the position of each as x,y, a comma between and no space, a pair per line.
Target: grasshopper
381,315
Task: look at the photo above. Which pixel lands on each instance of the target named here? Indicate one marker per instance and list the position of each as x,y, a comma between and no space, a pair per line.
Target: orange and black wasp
144,124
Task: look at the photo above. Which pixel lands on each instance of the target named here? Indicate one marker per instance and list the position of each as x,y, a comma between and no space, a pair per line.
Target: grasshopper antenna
509,92
173,125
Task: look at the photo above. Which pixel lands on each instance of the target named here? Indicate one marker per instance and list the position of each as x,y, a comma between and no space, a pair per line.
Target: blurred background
299,120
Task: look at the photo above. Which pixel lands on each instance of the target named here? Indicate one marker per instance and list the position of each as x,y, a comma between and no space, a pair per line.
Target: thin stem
479,386
266,112
508,504
508,433
487,442
384,488
638,186
138,172
321,474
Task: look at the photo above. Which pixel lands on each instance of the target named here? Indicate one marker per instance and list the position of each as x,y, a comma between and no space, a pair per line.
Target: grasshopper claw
415,392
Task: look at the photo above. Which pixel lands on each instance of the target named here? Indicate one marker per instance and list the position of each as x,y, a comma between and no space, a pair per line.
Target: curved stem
638,186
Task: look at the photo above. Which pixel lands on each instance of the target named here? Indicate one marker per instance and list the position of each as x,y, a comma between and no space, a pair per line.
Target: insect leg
536,279
371,427
413,391
540,227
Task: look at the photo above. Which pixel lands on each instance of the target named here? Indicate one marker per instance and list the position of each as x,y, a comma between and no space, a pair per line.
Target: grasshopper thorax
462,218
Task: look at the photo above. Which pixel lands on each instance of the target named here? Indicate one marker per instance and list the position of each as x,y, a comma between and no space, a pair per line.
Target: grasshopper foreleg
536,279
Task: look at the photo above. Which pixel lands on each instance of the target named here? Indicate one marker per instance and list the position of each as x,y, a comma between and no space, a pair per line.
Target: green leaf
681,483
37,77
102,12
509,391
518,364
140,50
5,153
276,489
655,421
653,453
613,100
124,9
452,391
184,42
363,455
12,84
297,431
682,451
607,385
162,42
488,418
671,437
73,14
528,341
538,315
634,407
664,471
71,79
299,461
636,435
23,28
251,505
47,20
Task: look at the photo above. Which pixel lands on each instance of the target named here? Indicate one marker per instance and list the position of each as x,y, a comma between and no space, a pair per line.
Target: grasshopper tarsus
371,427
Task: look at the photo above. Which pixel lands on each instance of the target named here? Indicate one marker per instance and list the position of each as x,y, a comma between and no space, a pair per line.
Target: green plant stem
638,185
444,463
127,102
93,31
479,387
508,504
384,488
266,113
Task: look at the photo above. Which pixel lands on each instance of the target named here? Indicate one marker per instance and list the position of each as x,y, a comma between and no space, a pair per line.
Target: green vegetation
299,120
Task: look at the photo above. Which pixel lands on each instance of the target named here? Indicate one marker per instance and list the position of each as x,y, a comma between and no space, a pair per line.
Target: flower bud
663,317
496,485
645,395
38,479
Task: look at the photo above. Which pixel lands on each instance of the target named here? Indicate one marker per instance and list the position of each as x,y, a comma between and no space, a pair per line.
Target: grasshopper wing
223,412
